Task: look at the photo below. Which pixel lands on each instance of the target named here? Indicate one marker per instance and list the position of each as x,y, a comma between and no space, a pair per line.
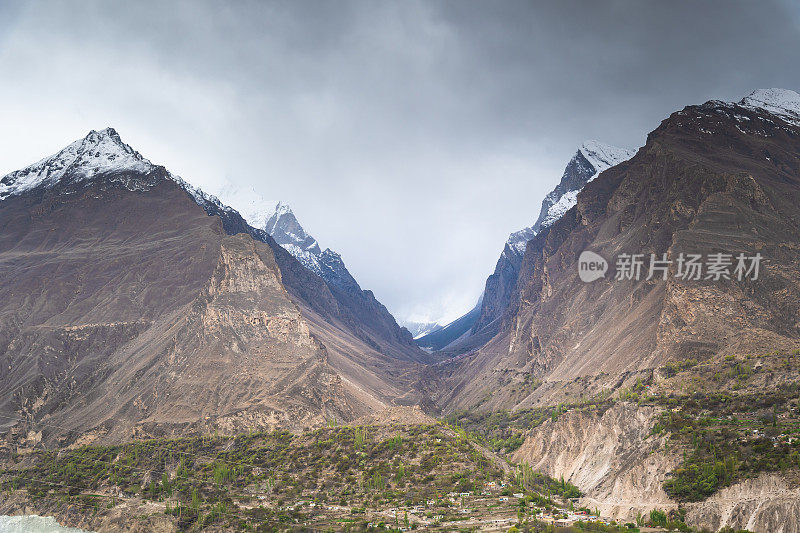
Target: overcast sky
411,137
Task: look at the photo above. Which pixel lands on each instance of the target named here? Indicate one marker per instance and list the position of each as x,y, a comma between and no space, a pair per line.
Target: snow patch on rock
589,161
99,153
783,103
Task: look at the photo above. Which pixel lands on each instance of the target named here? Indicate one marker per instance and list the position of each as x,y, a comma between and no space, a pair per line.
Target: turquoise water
34,524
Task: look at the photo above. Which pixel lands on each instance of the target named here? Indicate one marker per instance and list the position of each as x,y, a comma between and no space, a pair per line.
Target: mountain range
149,306
641,384
136,305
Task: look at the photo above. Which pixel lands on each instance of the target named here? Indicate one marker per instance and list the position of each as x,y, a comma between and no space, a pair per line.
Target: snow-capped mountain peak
283,226
279,221
592,158
100,152
602,156
784,103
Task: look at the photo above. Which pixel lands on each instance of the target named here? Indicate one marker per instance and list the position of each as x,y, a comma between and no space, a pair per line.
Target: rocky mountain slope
130,311
481,324
714,178
717,178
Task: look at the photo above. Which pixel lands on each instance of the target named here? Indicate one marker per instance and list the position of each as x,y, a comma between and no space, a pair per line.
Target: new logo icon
591,266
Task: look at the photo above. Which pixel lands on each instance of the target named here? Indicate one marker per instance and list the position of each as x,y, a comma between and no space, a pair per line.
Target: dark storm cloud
410,136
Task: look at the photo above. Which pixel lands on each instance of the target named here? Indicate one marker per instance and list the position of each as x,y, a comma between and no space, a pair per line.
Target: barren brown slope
129,312
712,178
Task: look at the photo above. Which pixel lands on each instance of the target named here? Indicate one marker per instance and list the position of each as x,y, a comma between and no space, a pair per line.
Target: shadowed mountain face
126,310
453,333
714,178
483,322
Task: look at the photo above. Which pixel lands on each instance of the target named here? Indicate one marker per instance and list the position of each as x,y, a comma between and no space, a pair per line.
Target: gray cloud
410,136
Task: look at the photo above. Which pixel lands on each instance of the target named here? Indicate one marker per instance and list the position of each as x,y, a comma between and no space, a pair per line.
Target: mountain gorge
138,306
482,322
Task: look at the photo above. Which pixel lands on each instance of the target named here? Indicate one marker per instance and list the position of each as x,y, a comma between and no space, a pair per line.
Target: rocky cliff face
620,467
610,456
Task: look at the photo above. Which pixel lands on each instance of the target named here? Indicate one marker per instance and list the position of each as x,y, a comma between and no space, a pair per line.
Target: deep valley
171,364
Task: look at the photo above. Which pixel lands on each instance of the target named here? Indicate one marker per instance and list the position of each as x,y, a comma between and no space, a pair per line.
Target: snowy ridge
557,210
589,161
100,152
104,154
306,258
200,197
783,103
279,221
602,156
519,239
